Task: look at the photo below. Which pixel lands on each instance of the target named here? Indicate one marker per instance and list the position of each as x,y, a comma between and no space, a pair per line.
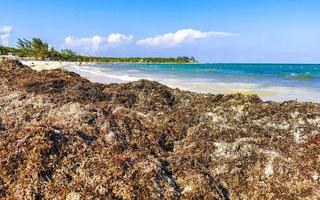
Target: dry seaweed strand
63,137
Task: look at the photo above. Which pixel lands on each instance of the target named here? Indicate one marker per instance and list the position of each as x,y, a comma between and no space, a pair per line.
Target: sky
228,31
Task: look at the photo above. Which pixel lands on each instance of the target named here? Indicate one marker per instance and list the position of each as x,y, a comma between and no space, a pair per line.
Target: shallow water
277,82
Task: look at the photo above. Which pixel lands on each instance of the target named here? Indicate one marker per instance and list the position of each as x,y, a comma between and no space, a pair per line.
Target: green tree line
40,50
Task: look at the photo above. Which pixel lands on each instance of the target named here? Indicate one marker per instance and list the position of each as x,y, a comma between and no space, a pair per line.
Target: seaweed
63,137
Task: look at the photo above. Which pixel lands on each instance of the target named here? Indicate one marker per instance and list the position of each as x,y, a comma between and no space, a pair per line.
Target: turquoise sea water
277,82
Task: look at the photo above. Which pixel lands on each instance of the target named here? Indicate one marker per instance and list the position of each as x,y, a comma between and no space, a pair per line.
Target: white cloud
93,43
5,34
117,38
5,29
179,37
97,42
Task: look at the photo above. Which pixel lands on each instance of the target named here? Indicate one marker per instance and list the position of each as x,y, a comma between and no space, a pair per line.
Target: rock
144,140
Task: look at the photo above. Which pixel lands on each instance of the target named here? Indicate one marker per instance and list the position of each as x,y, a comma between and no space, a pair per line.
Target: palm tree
40,49
36,48
68,54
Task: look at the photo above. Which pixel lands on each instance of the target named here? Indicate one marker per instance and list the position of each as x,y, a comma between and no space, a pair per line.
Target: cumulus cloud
179,37
97,42
117,38
5,29
92,43
5,34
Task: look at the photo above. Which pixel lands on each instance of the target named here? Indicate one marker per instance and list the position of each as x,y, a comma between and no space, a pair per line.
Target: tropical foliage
40,50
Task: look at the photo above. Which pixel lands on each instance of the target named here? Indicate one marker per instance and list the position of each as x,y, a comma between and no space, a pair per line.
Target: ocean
276,82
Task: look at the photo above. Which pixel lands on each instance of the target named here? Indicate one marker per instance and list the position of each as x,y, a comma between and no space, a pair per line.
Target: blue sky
286,31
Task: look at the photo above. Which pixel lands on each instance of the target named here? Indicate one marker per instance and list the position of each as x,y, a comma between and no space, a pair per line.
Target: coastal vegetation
40,50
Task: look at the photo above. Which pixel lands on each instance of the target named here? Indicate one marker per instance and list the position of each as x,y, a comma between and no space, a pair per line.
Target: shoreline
266,92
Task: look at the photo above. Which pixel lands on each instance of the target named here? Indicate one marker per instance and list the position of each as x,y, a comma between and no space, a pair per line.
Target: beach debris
63,137
10,64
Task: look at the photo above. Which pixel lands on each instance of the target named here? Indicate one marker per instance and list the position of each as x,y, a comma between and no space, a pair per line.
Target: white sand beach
45,65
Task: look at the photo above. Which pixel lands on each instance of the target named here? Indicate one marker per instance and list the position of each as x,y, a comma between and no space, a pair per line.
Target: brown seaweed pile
63,137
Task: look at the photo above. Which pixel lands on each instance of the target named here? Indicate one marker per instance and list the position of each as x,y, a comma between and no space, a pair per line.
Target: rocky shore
64,137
